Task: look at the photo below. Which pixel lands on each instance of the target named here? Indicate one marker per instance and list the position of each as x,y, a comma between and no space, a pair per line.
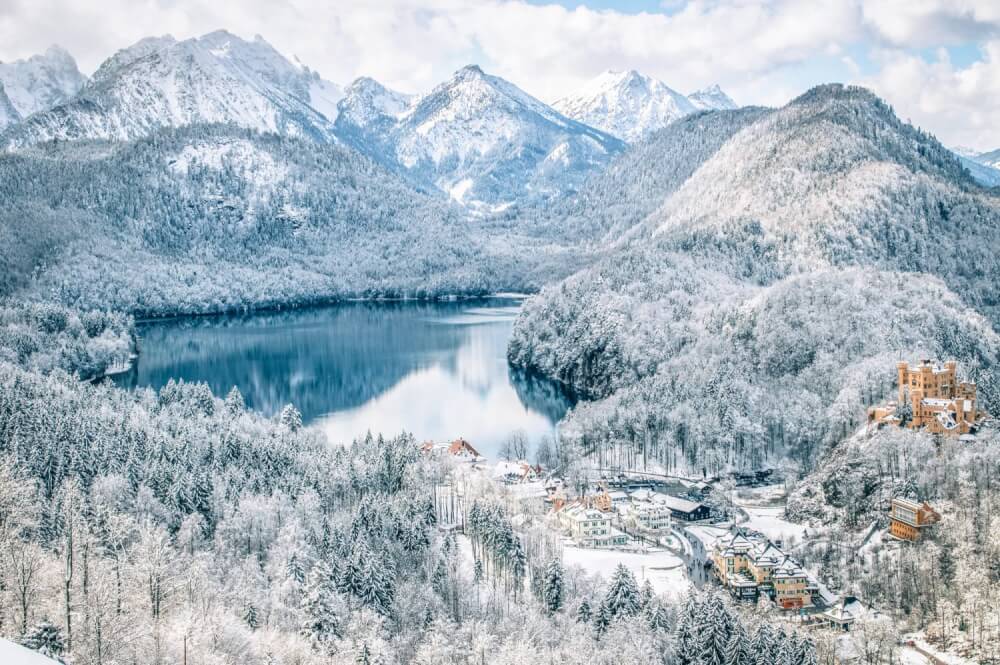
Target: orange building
938,401
907,518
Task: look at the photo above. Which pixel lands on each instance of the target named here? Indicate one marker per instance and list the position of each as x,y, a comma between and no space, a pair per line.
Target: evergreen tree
622,598
583,612
364,655
602,619
553,591
45,638
291,418
646,595
321,625
251,616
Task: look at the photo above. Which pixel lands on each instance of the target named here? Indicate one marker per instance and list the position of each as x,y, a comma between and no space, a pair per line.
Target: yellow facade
938,401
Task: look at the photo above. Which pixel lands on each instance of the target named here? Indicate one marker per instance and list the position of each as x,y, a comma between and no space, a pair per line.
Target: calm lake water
436,370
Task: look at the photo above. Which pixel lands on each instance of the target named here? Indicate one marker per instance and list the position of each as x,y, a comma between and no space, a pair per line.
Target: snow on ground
768,520
942,656
663,570
15,654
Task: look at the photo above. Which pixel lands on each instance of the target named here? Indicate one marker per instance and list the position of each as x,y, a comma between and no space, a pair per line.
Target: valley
266,397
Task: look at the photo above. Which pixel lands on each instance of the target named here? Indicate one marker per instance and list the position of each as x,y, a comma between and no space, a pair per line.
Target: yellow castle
937,400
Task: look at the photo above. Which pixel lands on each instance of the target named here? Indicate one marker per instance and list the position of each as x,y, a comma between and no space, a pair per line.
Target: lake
435,369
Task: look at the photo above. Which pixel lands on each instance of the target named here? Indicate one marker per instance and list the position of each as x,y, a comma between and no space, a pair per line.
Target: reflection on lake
438,370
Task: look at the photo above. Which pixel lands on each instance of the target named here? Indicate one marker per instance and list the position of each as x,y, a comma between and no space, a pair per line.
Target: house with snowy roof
646,516
589,527
682,509
749,565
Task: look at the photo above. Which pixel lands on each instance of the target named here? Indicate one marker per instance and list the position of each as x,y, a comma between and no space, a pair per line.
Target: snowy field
769,521
663,570
15,654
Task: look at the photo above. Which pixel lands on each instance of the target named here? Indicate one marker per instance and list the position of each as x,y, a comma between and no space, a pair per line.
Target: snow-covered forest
151,527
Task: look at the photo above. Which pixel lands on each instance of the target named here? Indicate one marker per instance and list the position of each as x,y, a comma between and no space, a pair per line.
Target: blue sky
936,61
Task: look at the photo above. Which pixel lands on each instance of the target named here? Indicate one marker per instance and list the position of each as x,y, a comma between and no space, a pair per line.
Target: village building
751,565
516,472
589,527
908,518
646,516
682,509
843,613
930,397
459,448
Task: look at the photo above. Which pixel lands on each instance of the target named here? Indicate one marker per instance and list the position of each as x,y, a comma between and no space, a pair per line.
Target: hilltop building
751,565
932,398
908,518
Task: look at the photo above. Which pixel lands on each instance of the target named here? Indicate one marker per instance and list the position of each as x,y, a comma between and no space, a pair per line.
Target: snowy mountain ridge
162,82
477,137
37,83
631,105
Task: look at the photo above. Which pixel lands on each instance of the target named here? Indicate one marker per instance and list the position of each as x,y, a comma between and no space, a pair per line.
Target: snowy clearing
663,570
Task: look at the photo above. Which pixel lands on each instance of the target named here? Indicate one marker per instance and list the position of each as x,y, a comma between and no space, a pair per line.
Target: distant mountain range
161,82
631,105
476,138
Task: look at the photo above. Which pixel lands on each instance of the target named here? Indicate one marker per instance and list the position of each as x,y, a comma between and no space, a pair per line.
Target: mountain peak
625,103
711,98
40,82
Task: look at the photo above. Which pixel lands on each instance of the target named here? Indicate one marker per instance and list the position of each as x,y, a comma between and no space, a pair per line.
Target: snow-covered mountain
39,82
991,159
631,105
477,137
8,114
711,99
162,82
627,104
367,115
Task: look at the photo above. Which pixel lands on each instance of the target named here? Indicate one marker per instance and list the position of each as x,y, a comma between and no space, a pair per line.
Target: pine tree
583,612
646,595
622,598
553,591
45,638
658,620
321,625
738,647
602,619
251,616
477,572
686,639
291,418
235,404
439,579
364,655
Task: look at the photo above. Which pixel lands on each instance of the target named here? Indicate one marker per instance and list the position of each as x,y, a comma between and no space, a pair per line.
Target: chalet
682,509
459,448
908,518
462,448
937,401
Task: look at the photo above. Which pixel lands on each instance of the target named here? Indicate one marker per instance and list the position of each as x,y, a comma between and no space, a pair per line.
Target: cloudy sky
936,61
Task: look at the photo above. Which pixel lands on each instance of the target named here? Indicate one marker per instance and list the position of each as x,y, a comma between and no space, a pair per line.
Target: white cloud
761,51
961,105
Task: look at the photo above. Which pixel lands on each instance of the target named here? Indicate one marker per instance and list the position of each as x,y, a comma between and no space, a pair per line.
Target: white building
590,527
646,516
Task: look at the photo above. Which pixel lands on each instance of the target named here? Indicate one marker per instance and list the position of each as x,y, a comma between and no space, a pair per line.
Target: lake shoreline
327,302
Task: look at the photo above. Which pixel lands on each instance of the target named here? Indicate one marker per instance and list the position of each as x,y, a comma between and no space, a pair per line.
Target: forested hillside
213,218
761,307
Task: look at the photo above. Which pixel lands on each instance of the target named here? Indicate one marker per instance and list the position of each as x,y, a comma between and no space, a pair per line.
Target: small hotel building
908,518
749,566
